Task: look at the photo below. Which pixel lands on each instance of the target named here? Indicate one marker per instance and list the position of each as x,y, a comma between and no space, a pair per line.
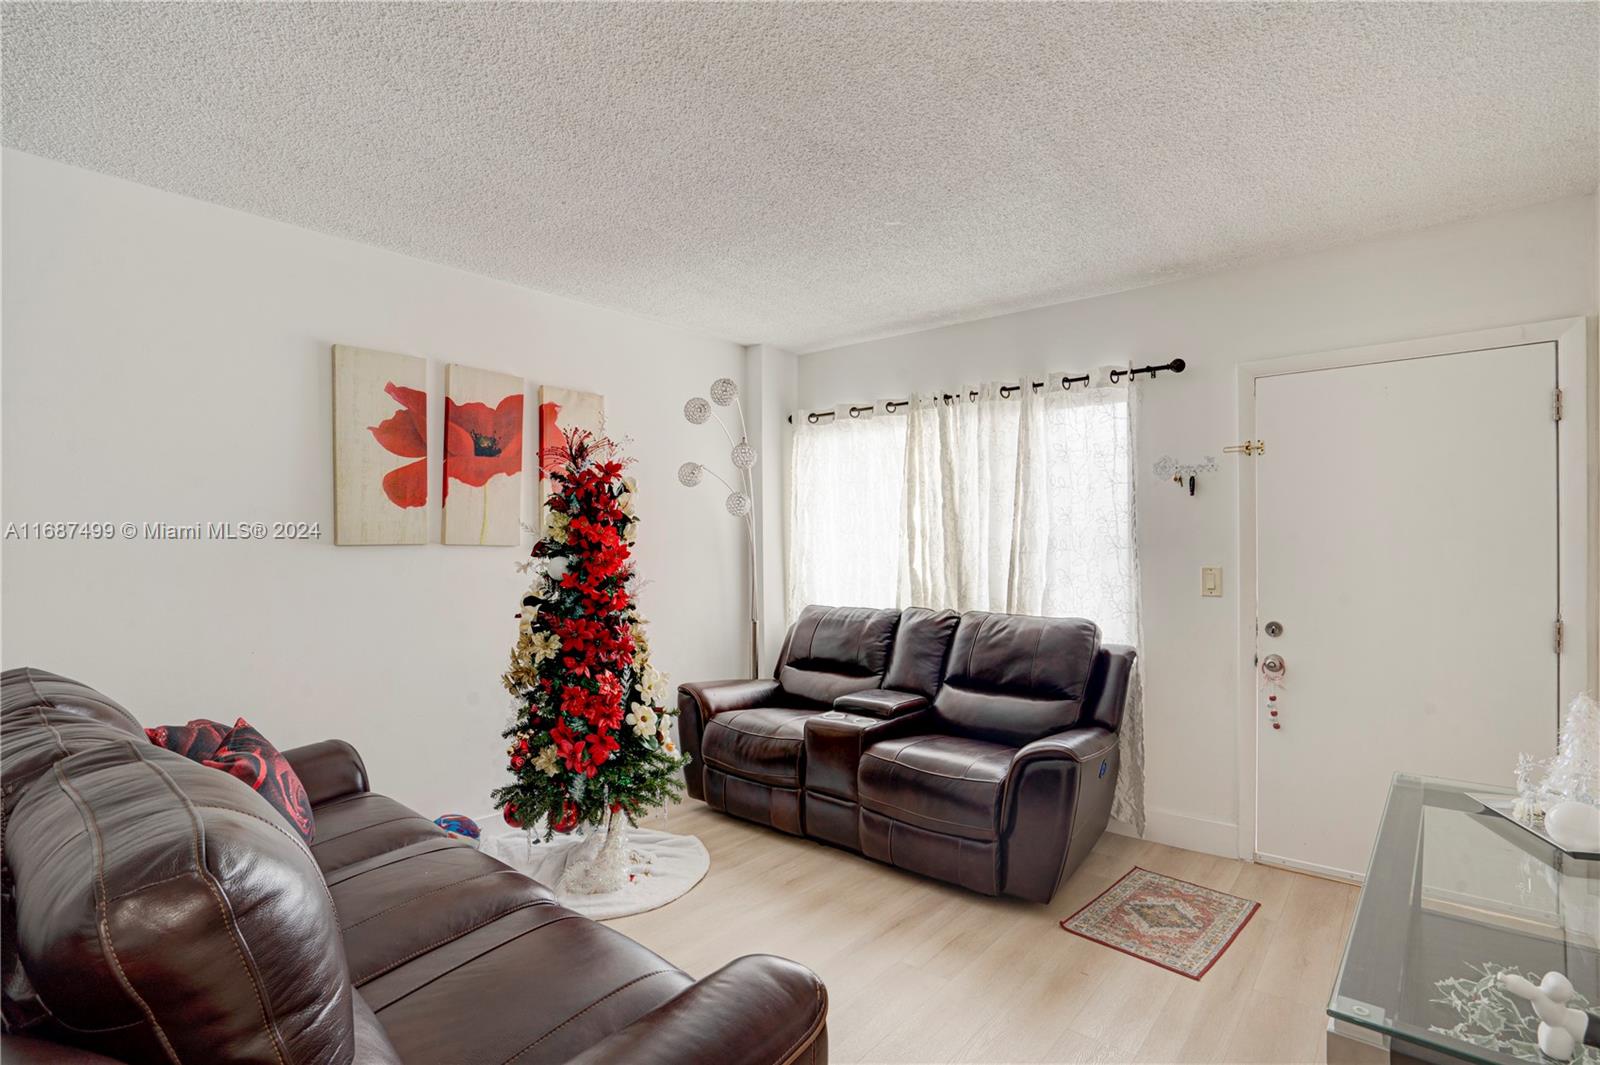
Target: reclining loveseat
977,748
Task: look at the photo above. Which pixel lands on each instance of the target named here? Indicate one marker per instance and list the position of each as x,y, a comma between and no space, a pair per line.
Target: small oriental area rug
1179,926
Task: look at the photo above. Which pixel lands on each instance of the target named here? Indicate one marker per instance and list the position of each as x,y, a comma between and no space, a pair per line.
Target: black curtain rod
891,405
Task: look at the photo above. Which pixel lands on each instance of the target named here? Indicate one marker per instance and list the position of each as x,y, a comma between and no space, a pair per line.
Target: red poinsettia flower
405,433
602,745
480,442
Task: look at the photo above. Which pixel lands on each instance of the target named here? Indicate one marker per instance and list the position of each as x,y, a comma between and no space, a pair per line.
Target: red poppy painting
380,447
406,434
480,442
561,409
483,434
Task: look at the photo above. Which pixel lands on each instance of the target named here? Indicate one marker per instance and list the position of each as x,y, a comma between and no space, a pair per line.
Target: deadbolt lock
1274,629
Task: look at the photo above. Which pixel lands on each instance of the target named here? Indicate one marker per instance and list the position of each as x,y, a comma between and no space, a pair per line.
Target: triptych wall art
381,455
561,409
482,457
380,447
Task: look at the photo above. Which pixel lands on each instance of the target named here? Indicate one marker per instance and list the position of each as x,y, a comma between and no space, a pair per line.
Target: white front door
1406,543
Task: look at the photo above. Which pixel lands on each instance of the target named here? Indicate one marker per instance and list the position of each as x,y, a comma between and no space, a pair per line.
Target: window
1022,504
846,493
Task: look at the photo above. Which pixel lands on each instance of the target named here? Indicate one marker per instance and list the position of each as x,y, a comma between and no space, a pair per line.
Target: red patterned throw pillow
246,754
199,739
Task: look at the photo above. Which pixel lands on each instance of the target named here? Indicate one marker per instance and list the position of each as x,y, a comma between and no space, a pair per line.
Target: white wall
168,360
1527,265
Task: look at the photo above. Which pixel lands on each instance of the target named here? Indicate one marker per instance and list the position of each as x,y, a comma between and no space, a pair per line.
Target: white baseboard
1327,872
1187,831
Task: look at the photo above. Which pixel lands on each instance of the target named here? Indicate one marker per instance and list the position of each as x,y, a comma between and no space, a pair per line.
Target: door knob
1273,666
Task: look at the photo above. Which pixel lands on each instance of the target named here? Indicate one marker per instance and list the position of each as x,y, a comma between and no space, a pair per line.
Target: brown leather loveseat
157,910
976,748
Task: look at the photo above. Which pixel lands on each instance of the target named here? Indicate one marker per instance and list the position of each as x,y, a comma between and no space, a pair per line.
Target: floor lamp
741,496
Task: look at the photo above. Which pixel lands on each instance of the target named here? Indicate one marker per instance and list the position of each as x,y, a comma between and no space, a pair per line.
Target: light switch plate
1211,581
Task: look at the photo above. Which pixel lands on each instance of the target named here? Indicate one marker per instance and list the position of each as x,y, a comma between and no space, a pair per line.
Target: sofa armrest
699,703
756,1010
1079,744
880,702
329,770
712,697
1057,804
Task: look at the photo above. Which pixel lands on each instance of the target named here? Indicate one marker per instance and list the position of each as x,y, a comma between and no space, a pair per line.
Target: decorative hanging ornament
510,814
568,820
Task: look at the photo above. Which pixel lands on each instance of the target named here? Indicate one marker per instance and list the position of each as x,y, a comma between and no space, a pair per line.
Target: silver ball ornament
744,456
697,410
690,473
738,504
724,391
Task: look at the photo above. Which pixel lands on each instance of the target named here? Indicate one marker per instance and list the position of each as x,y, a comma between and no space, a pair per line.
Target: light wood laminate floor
919,971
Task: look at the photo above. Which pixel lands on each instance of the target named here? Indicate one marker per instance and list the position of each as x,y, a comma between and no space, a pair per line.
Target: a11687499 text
164,530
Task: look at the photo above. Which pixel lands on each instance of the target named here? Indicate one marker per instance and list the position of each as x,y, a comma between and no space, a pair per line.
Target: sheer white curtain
1022,505
1076,551
1075,545
846,481
961,499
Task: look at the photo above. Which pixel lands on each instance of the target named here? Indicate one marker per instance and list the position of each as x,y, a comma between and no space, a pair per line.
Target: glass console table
1455,894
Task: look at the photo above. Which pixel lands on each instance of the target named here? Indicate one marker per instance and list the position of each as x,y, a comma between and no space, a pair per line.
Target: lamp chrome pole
740,501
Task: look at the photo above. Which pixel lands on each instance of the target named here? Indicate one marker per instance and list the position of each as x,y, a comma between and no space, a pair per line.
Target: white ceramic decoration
1575,826
1560,1027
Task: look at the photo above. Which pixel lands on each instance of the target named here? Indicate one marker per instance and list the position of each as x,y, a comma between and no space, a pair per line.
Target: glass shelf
1454,894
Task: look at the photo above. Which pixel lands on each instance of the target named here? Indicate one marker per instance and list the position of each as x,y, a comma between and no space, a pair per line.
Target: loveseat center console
834,743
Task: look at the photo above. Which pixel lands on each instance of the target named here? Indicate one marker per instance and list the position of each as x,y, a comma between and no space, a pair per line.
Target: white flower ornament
643,719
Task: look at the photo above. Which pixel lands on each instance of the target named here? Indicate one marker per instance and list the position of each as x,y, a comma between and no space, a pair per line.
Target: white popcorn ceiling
810,174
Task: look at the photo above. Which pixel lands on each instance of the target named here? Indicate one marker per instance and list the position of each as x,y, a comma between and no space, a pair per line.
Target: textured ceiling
806,174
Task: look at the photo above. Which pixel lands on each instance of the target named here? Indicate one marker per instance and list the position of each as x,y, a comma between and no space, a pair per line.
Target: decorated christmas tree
589,741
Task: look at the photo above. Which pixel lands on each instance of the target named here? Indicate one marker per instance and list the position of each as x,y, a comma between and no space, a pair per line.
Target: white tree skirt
663,867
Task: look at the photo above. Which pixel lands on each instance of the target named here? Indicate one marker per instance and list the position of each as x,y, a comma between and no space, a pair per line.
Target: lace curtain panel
1023,505
846,479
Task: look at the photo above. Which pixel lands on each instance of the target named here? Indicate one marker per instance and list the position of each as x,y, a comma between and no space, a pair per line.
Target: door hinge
1561,635
1558,408
1249,447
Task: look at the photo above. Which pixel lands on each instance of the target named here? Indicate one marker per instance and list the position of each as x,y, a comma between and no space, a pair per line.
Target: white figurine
1575,826
1561,1028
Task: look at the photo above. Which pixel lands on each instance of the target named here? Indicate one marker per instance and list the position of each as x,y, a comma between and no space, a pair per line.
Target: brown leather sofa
976,748
156,910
